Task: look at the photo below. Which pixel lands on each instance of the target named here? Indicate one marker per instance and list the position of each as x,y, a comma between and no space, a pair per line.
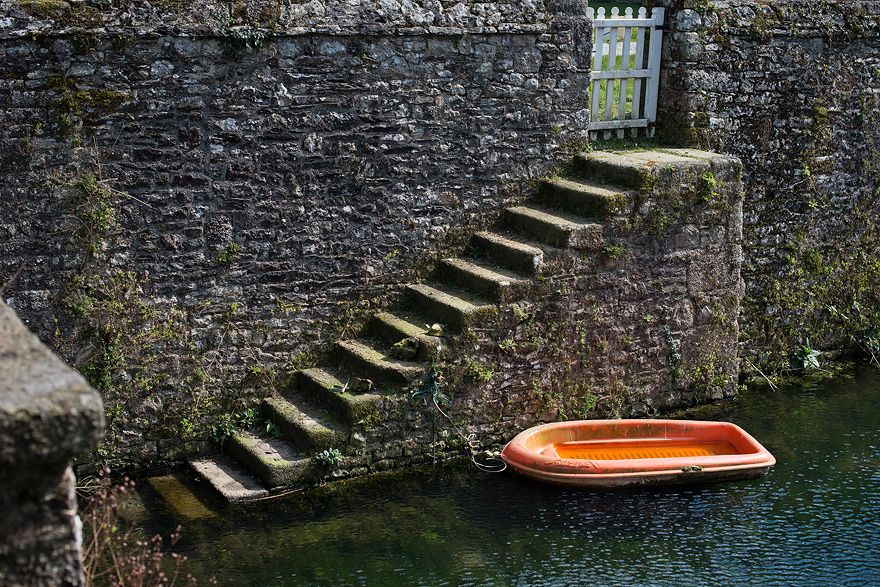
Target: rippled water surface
814,520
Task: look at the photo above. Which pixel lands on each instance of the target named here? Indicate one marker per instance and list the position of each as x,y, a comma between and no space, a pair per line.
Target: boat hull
610,454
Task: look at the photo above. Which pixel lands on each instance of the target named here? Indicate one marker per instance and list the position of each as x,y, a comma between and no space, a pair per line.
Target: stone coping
207,18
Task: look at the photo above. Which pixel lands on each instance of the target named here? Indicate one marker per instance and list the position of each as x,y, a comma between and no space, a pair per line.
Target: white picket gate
626,71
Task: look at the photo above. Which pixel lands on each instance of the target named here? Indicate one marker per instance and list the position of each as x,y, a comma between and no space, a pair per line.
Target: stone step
375,365
588,200
696,158
326,390
619,169
508,252
451,307
555,228
635,169
176,491
395,327
308,426
495,283
229,478
273,460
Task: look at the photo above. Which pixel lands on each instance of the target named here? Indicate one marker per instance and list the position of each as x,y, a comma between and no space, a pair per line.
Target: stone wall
48,415
627,309
791,88
195,195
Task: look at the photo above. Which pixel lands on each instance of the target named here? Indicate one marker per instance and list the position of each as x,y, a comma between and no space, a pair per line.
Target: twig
8,283
123,194
773,386
280,494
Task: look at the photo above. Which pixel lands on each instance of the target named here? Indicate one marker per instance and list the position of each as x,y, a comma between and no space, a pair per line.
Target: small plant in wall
807,358
702,6
239,39
95,211
477,371
709,187
587,404
613,251
229,254
272,429
507,343
225,424
328,458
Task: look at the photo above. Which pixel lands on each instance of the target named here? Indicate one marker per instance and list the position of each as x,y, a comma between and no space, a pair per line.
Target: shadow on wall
200,212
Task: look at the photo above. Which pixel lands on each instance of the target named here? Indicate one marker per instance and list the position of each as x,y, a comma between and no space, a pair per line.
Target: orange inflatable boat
620,453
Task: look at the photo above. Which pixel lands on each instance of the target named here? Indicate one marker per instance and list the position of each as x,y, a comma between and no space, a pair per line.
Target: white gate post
654,53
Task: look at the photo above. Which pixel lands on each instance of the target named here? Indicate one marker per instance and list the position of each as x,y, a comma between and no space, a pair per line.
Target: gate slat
599,46
615,124
612,64
624,82
654,65
626,22
638,84
633,73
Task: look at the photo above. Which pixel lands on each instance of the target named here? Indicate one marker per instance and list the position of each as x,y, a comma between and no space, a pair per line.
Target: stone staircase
396,347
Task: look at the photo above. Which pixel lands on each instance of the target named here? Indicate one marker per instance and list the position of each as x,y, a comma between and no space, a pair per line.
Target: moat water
814,520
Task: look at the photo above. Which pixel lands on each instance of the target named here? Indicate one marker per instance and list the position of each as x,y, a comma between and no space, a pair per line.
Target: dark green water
814,520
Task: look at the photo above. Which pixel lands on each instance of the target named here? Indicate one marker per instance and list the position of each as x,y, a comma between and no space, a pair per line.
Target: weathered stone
595,339
362,385
408,348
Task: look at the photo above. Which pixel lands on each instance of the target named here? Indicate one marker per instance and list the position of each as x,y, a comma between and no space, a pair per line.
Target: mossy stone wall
640,323
790,87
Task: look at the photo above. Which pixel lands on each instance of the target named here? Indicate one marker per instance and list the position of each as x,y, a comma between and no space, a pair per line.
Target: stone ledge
48,413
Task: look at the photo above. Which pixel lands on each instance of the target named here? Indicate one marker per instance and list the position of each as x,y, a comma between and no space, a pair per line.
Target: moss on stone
84,41
173,5
78,15
44,8
72,104
819,294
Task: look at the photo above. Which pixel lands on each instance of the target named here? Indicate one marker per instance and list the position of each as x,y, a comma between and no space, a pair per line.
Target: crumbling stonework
791,88
48,415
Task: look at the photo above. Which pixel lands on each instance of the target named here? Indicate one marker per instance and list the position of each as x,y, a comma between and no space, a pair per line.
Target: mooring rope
471,445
